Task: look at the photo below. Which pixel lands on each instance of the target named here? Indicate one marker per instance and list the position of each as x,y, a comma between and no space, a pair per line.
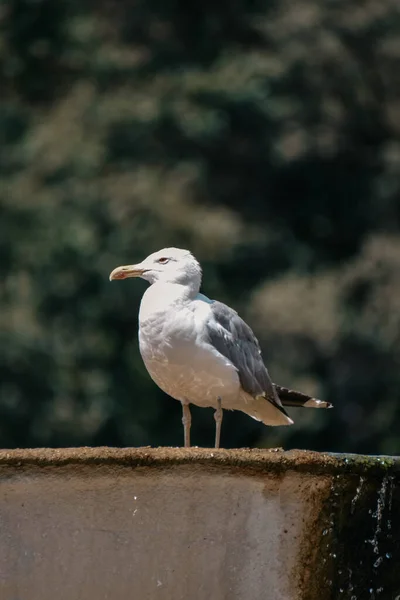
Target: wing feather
235,340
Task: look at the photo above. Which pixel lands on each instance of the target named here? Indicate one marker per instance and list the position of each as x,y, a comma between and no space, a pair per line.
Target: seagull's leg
218,420
186,420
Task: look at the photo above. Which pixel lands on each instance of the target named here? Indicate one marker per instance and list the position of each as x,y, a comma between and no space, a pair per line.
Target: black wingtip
293,398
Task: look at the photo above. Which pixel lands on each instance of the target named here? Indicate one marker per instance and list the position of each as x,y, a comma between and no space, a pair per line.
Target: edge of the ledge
271,460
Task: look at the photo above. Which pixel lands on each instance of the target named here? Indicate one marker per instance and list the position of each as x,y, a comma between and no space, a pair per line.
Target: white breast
179,359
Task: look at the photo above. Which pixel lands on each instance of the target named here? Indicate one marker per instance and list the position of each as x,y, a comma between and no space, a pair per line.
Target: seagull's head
170,265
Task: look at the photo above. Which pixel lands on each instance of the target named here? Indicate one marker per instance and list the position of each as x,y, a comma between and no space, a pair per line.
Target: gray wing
234,339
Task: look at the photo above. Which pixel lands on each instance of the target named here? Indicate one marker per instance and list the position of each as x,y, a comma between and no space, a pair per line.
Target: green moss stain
359,546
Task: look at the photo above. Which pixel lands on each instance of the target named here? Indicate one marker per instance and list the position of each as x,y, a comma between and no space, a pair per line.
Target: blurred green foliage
264,136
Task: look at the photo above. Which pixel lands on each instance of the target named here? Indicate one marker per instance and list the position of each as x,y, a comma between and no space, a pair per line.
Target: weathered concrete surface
197,524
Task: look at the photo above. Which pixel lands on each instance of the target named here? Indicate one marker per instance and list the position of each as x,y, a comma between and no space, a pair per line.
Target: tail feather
298,399
265,411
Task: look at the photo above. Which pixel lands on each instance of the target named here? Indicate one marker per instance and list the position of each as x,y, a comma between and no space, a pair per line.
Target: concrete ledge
171,523
274,459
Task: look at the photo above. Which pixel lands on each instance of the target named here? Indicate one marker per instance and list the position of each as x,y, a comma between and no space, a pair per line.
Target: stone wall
175,524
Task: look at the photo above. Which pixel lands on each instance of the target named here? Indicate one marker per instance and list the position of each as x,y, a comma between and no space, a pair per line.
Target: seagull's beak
127,271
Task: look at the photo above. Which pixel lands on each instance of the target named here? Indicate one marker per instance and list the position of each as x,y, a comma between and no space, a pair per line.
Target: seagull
199,351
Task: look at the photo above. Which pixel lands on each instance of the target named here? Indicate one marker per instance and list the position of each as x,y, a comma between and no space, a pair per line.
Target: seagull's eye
163,260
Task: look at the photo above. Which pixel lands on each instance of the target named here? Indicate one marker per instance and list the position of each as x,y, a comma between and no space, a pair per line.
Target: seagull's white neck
160,296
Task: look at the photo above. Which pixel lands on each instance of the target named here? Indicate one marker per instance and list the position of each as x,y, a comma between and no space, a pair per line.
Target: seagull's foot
186,421
218,421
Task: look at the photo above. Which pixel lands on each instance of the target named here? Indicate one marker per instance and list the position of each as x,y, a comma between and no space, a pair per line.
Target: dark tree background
264,136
